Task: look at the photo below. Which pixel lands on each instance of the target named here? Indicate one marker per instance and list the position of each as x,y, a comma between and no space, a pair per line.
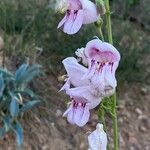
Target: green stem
109,29
108,21
101,33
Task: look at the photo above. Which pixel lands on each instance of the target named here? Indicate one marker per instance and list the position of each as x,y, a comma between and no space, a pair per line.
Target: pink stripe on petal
78,115
77,22
110,77
85,117
74,22
69,22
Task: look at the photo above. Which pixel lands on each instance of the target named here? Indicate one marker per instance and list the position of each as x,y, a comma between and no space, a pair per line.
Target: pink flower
103,60
98,139
82,99
81,102
78,12
91,84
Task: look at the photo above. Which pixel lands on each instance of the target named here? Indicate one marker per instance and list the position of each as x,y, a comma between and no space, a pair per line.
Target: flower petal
89,11
62,21
86,93
110,77
101,51
74,22
69,113
81,116
75,71
98,139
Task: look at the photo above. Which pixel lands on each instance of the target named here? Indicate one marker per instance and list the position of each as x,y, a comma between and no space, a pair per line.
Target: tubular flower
82,99
103,60
78,12
81,102
98,139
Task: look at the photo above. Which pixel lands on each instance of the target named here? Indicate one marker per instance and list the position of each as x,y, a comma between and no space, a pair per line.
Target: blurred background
29,30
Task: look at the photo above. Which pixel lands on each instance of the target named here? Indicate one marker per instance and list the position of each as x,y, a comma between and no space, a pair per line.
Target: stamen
111,64
75,11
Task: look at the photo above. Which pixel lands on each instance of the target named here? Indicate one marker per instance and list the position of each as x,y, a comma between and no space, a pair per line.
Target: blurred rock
142,128
1,43
138,111
144,91
59,113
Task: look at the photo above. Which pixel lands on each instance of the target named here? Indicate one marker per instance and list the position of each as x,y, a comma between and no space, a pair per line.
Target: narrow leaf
2,132
2,86
14,107
29,105
17,128
6,121
20,72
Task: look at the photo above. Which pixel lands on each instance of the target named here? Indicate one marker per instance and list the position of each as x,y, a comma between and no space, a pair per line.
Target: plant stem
108,21
115,125
101,33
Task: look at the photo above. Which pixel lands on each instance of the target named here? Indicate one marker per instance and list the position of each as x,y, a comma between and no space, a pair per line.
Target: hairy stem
101,33
109,29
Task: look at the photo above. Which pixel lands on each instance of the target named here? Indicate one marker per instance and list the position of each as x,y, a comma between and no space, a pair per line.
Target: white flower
80,54
98,139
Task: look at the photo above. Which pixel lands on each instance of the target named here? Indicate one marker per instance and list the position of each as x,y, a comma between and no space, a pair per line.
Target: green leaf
2,86
2,132
14,107
7,122
29,105
20,72
6,73
17,128
32,72
29,74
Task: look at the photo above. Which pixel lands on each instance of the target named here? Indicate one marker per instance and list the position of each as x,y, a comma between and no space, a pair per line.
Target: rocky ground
46,129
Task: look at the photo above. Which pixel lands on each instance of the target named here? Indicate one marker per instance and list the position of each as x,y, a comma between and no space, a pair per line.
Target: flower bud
101,6
98,139
99,23
80,54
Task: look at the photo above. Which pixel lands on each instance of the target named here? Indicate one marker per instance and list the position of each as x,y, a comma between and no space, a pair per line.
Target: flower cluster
87,86
91,76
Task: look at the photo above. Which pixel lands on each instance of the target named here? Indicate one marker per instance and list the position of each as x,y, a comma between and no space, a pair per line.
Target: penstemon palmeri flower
77,12
82,100
98,139
103,59
91,84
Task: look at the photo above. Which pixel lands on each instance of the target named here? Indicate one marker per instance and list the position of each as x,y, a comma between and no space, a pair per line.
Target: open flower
82,99
78,12
81,102
98,139
103,60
